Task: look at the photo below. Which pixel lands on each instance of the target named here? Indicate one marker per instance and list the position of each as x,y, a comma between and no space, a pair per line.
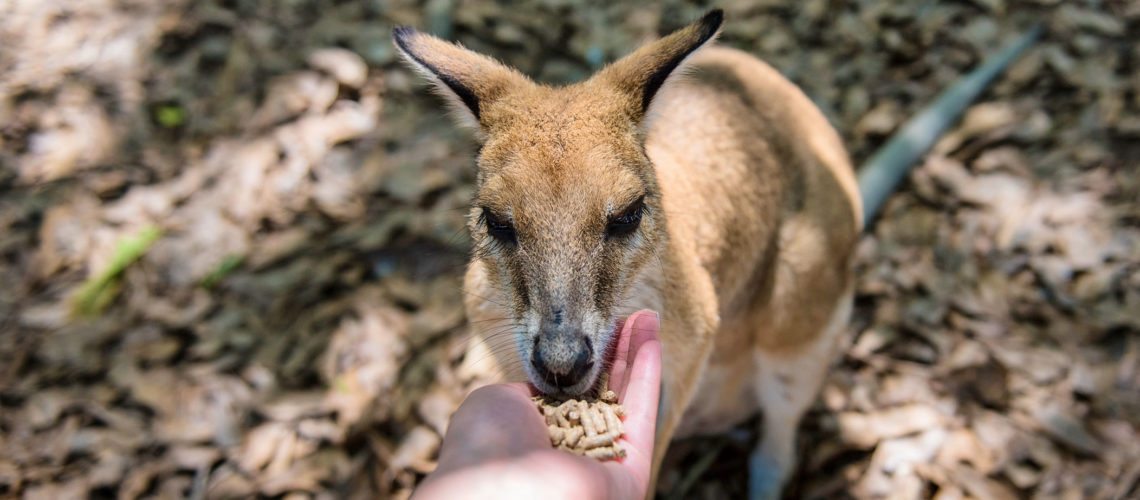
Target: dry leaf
864,430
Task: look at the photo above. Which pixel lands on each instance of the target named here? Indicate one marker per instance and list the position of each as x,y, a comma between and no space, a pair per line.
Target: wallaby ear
468,80
641,74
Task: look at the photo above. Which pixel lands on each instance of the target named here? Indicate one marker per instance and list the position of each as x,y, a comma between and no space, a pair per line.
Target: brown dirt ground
294,328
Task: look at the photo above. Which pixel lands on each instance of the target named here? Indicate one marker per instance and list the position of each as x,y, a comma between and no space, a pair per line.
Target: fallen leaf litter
997,292
587,428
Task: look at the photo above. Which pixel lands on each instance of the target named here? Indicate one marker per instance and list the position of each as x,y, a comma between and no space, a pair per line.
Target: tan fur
745,249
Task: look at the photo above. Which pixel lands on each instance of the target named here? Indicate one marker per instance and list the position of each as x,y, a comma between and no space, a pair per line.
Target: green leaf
225,267
100,290
170,115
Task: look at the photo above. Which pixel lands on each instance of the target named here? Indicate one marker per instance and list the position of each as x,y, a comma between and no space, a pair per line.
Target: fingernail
652,317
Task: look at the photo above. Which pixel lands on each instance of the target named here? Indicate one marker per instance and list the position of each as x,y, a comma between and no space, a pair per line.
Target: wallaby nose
562,365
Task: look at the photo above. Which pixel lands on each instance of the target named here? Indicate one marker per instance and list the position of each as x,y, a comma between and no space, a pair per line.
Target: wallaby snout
562,359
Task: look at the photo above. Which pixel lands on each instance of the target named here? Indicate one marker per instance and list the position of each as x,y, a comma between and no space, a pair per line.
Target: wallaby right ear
470,81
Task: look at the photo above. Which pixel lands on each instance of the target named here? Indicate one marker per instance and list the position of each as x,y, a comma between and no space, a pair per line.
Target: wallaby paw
765,477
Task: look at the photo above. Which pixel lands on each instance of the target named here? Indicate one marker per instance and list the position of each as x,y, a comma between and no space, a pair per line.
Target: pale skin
497,444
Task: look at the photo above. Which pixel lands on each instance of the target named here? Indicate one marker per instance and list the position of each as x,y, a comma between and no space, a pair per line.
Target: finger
641,399
495,421
639,327
621,357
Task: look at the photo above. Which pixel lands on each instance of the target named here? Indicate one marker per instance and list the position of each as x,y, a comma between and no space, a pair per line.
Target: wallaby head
567,208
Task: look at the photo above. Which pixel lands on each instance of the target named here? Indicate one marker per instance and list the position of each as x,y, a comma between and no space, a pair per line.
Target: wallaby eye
498,228
627,221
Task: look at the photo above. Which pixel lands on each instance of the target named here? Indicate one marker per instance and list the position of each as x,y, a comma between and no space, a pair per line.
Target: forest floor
231,235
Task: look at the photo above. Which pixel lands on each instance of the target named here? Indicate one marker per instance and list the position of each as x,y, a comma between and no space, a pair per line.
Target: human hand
497,445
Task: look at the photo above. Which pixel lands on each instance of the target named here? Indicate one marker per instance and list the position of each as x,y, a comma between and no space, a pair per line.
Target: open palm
497,444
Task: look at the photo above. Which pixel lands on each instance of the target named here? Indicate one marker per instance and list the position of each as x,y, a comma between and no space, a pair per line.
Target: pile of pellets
589,428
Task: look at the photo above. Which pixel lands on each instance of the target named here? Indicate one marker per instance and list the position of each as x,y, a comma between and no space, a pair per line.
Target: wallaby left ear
641,74
470,81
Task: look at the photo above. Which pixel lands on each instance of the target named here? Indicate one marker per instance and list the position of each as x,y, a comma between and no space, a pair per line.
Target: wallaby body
722,199
776,221
753,280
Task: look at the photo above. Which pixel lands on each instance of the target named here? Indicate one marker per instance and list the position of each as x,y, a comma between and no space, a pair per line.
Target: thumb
495,421
641,398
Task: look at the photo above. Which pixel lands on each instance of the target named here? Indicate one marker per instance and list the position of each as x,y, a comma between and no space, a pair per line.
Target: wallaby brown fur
720,197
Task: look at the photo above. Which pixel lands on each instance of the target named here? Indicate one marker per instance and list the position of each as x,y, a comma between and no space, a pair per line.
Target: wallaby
698,183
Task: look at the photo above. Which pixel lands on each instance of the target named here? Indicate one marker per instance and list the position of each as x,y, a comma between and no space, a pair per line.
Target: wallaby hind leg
789,383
